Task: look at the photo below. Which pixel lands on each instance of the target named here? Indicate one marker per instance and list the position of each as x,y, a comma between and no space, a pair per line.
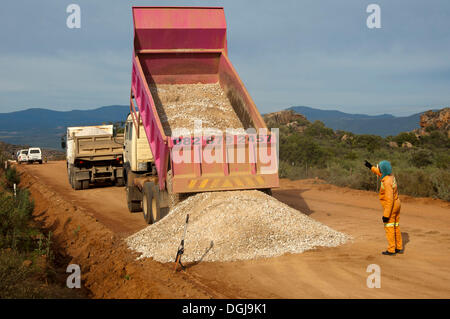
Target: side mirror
63,144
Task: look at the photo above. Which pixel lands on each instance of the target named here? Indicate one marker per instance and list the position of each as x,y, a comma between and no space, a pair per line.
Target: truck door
127,145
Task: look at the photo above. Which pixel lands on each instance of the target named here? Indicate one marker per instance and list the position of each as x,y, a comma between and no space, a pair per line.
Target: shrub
421,158
415,183
406,137
318,129
441,184
369,142
12,177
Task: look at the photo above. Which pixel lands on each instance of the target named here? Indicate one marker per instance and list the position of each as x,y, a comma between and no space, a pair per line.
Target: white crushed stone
233,225
180,105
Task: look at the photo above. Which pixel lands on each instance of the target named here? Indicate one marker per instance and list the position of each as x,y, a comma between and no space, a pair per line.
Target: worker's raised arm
374,169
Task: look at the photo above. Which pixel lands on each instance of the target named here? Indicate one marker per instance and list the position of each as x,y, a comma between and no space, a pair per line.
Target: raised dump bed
181,73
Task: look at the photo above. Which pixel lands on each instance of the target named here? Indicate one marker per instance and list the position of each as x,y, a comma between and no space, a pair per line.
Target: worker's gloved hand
385,219
368,165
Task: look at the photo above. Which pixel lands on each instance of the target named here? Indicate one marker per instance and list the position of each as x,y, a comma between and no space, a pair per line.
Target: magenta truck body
187,45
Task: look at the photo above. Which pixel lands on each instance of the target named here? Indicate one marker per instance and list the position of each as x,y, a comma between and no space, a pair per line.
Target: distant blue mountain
384,124
44,128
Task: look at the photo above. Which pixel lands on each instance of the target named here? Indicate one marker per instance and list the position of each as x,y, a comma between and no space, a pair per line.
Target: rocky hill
435,120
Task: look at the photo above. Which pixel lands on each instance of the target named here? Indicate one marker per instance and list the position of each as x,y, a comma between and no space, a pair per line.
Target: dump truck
184,50
93,154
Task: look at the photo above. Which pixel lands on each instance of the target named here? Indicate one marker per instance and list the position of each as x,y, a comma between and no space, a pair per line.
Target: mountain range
383,125
44,128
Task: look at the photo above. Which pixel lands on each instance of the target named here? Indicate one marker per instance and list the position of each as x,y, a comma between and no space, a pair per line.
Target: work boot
399,251
388,253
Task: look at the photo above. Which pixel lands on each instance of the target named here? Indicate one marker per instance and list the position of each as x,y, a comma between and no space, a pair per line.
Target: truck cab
137,156
138,162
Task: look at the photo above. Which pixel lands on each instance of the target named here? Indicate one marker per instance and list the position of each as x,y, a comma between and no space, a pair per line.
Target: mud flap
82,175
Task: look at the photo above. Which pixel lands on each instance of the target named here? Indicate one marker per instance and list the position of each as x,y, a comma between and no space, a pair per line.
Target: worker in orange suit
391,206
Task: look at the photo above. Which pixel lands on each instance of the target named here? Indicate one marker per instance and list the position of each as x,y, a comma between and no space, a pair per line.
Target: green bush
369,142
405,137
421,158
441,184
12,177
15,215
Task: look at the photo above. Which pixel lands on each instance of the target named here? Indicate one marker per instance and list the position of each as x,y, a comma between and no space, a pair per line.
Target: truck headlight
142,166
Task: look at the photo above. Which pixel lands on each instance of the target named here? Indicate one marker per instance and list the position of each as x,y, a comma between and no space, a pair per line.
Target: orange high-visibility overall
391,209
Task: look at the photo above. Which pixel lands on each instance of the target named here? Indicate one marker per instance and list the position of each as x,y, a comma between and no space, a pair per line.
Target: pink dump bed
184,46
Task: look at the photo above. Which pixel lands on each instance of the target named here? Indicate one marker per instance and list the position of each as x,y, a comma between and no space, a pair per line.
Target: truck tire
69,173
133,204
150,203
77,185
71,179
85,184
120,182
40,162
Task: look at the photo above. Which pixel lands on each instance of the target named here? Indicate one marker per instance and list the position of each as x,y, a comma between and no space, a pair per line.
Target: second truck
93,154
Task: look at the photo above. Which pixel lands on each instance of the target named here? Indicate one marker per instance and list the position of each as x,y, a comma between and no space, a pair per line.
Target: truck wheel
120,182
133,204
69,173
71,179
150,203
85,184
40,162
77,184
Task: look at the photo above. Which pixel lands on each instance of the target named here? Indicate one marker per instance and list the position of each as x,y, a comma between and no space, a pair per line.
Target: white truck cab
34,155
138,163
137,156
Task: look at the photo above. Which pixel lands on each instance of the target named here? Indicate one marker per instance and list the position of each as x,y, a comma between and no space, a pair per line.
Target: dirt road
422,272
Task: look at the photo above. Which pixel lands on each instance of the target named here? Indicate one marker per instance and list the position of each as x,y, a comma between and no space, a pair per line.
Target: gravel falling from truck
179,105
233,225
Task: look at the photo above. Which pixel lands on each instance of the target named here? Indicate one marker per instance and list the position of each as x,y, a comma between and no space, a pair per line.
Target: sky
317,53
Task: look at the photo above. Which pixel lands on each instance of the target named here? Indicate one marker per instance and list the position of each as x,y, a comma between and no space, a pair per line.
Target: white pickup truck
22,156
34,155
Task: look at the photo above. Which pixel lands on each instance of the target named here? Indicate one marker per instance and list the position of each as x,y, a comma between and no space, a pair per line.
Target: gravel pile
233,225
179,105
